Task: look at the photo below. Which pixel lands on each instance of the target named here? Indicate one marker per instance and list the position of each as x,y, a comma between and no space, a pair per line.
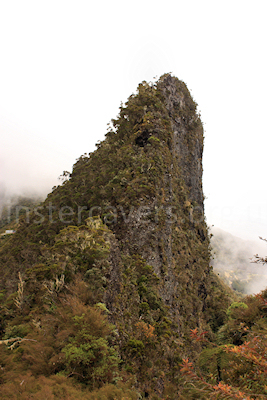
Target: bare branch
15,341
19,299
259,260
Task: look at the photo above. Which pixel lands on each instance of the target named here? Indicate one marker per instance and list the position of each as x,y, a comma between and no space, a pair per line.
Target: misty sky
66,66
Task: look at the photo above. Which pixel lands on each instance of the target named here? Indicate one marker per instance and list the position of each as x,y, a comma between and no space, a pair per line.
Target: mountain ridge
127,230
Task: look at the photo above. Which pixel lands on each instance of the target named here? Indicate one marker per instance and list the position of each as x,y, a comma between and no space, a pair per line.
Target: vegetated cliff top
127,230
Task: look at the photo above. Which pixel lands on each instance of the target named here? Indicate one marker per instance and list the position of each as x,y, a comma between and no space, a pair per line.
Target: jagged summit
128,230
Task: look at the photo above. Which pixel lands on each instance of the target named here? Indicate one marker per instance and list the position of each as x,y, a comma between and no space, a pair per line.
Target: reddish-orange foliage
226,389
145,330
186,366
195,335
262,300
255,350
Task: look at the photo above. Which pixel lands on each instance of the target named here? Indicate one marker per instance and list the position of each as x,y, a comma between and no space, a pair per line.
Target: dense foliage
234,366
104,282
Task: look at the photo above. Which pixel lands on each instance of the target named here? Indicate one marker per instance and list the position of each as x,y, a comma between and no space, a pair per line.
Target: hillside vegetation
107,290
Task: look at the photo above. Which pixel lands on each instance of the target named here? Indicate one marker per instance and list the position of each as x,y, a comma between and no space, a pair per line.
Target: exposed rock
133,236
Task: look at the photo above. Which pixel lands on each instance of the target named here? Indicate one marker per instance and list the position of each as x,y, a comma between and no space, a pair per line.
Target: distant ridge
232,259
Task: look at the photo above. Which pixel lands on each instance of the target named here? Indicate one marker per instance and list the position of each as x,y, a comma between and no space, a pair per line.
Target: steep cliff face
187,147
145,182
166,226
127,229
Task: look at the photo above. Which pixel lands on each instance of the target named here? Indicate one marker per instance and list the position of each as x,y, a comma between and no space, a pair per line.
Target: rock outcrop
128,230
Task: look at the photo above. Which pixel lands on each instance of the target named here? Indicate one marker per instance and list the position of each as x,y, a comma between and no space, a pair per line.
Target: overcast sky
65,67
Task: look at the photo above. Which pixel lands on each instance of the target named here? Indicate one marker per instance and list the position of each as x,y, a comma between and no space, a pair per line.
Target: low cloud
233,261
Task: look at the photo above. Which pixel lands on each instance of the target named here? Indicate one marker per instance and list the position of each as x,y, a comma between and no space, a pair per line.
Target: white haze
65,67
28,166
233,260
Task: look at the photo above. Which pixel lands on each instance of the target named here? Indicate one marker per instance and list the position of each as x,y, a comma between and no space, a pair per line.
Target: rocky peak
128,230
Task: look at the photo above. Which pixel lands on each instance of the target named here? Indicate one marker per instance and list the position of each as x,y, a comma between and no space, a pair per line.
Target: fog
27,164
66,67
233,261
